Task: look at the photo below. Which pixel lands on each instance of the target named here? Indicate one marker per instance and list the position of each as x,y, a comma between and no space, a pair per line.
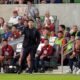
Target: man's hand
73,55
1,58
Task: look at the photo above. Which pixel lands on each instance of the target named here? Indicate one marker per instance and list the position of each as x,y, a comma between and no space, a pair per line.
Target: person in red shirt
46,52
15,33
50,25
7,52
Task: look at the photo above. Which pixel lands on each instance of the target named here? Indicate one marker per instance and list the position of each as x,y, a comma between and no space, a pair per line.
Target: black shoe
29,71
35,71
42,70
20,71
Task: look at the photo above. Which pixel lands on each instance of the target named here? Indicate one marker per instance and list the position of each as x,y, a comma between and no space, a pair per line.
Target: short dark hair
30,20
15,26
73,34
5,40
46,39
62,26
60,32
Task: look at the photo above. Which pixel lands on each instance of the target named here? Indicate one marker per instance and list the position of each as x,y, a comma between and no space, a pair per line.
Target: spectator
75,31
75,56
7,52
32,11
26,23
48,16
38,23
2,1
66,33
1,25
45,34
20,25
45,54
7,34
52,38
70,42
14,19
50,25
60,40
43,2
57,1
15,33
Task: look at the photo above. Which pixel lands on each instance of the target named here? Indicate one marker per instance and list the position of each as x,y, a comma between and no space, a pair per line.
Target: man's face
25,23
31,24
75,29
60,35
45,32
15,14
48,21
19,21
5,43
60,28
72,38
13,29
46,42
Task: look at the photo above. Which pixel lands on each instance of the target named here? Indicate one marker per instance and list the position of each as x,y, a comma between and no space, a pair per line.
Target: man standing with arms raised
30,44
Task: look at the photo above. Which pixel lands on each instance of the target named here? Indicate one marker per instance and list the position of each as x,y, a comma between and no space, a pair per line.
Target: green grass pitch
38,77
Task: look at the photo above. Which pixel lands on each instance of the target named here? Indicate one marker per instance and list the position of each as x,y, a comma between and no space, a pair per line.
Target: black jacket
31,37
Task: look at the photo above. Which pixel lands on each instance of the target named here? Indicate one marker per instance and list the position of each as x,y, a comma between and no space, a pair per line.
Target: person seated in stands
46,52
76,53
45,34
63,29
14,19
7,34
70,42
43,2
74,56
59,42
52,38
2,25
69,49
75,31
7,52
25,23
50,25
48,16
19,1
15,33
38,23
20,24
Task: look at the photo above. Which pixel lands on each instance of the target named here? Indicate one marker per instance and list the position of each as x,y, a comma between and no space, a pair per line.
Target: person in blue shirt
7,34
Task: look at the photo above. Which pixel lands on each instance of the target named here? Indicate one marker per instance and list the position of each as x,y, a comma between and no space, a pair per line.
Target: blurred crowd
50,42
33,1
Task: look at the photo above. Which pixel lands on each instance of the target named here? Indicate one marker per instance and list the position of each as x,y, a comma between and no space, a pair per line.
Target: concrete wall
68,14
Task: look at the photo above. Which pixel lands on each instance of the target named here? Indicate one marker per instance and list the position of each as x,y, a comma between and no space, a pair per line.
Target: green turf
38,77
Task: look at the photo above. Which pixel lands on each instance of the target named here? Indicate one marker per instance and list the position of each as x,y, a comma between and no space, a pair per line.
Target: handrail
62,53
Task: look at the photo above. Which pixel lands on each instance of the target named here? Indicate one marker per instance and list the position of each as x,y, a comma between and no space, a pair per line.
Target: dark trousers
71,62
40,63
76,60
26,52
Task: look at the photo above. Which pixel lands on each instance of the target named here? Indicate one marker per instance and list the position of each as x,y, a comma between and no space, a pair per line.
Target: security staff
30,44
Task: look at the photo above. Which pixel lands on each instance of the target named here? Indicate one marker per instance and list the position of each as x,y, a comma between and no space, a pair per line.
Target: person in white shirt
14,19
48,16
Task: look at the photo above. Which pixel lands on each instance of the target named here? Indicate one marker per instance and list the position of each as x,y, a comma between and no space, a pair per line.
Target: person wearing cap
14,19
